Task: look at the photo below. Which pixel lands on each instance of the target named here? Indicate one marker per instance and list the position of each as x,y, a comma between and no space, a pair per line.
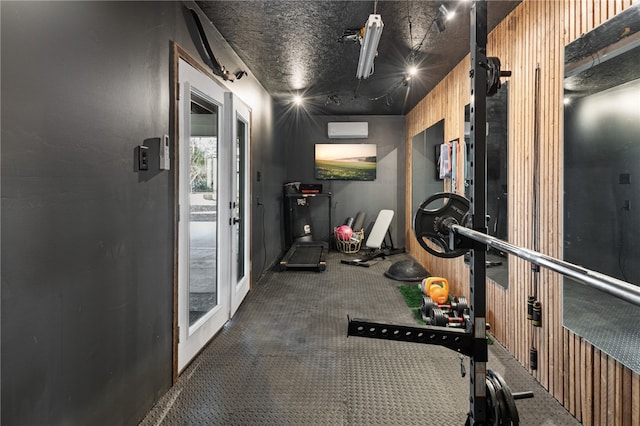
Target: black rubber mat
285,359
306,255
608,323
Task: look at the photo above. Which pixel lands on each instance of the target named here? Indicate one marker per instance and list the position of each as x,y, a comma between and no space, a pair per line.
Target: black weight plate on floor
494,412
510,409
504,415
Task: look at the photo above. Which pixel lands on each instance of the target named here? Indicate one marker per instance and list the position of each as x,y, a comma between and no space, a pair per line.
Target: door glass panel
203,208
240,195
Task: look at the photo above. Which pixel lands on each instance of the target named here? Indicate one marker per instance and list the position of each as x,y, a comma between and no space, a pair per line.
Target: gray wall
300,133
87,242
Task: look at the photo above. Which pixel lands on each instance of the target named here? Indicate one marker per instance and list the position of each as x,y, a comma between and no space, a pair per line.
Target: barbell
441,227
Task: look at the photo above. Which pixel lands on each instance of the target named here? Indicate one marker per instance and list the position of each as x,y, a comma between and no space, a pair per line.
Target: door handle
235,220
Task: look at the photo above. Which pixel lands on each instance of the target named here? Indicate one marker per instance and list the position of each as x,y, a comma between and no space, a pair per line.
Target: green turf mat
413,298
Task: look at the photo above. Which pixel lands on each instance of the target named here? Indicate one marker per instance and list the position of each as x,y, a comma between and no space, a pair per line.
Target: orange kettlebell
437,288
439,295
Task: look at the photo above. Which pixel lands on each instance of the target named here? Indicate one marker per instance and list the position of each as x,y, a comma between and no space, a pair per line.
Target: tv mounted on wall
345,161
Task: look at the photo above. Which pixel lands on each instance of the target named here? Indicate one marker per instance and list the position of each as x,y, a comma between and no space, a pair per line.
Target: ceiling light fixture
369,46
297,100
443,14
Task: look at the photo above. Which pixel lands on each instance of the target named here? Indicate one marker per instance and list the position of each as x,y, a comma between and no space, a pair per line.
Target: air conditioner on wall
348,130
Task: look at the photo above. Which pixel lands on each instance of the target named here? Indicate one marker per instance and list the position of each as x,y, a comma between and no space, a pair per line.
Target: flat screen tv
345,161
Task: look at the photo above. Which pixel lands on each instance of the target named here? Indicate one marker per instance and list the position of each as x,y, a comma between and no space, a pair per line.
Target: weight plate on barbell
432,222
493,75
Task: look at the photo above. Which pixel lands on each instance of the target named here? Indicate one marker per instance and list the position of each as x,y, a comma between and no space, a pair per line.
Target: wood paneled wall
595,388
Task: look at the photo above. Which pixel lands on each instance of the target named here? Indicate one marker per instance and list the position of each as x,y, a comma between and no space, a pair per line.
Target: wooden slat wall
595,388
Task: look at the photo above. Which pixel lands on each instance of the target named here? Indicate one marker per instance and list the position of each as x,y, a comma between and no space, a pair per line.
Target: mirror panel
601,227
497,173
425,179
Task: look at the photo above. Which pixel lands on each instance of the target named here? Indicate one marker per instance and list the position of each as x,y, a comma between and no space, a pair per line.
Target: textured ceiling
605,57
292,47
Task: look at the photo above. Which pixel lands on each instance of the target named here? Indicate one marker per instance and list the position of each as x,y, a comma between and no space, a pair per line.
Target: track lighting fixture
443,11
443,14
369,46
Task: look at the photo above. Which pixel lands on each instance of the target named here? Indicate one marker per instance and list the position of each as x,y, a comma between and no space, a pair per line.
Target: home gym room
142,277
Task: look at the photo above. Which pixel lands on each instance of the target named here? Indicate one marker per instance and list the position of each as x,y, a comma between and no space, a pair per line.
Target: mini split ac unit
348,130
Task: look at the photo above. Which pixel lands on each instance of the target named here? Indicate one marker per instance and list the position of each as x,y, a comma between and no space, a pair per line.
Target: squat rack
473,341
459,226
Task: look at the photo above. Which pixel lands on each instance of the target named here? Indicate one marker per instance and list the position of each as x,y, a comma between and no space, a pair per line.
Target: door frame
237,110
193,337
178,53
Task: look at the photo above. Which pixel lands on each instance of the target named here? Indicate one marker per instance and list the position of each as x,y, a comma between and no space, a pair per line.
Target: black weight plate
494,413
504,414
438,318
427,306
493,75
432,223
463,305
509,404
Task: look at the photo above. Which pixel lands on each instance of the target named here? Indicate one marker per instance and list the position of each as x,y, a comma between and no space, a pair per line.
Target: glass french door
203,196
240,130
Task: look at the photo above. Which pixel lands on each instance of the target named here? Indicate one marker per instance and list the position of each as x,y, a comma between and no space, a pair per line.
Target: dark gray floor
285,359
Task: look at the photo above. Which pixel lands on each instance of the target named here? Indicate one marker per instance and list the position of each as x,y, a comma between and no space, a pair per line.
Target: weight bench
375,244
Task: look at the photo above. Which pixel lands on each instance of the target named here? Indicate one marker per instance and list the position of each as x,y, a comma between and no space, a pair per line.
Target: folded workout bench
376,247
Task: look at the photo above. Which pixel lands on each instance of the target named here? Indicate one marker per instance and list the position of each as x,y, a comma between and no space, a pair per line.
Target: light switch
143,158
165,161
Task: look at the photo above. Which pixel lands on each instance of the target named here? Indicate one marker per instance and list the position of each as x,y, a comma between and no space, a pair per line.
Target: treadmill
303,252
